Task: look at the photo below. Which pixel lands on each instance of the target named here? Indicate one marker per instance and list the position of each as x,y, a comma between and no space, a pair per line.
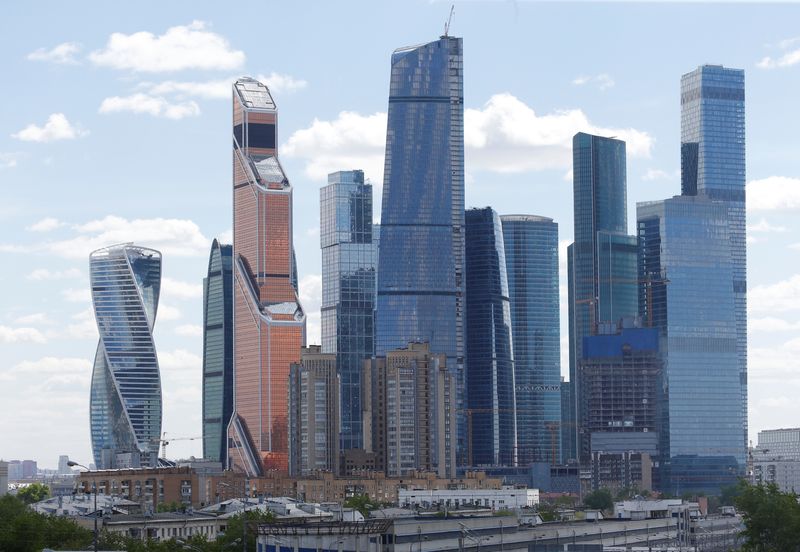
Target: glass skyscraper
269,324
348,290
421,258
125,404
686,270
713,165
217,351
491,406
601,263
531,251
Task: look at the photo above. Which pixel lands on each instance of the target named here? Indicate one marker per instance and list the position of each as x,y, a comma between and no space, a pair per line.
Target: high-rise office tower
491,405
313,413
125,406
601,263
713,165
421,259
410,393
568,443
217,352
268,321
531,247
348,289
686,270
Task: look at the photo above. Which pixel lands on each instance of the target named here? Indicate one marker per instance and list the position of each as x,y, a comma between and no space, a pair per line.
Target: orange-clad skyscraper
269,324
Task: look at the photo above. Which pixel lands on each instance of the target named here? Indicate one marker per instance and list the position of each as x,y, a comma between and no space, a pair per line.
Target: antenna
449,19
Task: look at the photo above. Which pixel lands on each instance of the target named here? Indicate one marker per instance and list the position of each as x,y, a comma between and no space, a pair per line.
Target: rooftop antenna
449,19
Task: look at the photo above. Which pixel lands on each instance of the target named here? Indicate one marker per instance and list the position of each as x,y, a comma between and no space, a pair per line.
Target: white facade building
779,443
784,472
506,498
3,478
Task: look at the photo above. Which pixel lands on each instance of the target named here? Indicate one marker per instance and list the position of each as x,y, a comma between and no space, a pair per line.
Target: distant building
29,469
617,471
63,467
3,477
217,351
14,470
783,472
411,393
506,498
313,413
779,443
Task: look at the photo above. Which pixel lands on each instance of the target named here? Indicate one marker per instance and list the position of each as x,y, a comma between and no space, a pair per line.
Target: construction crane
449,19
163,442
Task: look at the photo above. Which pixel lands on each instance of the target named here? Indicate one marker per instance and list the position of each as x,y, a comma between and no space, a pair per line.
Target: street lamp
72,464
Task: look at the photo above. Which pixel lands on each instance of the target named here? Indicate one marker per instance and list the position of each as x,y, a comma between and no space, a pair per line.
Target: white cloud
81,295
786,59
178,289
51,370
21,335
189,330
312,232
775,364
9,160
57,127
220,89
37,318
279,83
83,326
603,81
150,105
311,299
168,312
655,174
770,324
63,53
764,226
45,225
226,237
776,402
41,274
505,136
774,193
782,296
182,47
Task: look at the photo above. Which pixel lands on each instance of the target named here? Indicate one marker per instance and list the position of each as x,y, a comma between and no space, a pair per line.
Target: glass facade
217,351
713,165
269,325
602,260
531,252
348,289
125,404
420,271
491,406
686,270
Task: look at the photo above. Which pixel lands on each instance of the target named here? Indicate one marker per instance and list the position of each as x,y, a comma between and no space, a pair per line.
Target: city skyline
39,350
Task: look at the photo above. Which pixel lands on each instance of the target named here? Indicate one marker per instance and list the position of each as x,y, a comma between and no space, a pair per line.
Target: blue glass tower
686,270
601,262
531,247
421,257
348,289
217,351
713,165
125,405
491,405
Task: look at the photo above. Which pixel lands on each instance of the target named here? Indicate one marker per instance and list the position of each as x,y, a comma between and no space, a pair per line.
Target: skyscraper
125,405
713,165
531,247
421,259
268,321
348,289
686,270
601,263
217,352
491,404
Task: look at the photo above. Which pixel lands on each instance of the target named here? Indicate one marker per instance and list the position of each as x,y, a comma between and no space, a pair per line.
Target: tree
771,518
599,500
362,503
233,530
23,530
34,492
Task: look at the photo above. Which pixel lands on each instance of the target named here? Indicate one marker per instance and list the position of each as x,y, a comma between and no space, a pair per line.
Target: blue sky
115,126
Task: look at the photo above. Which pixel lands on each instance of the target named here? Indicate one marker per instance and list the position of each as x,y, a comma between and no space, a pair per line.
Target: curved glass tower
491,407
421,256
125,405
531,246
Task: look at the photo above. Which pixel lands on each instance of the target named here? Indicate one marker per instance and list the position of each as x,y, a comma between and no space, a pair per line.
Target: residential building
780,443
3,477
620,471
217,351
421,260
269,324
125,405
686,270
147,486
505,498
348,289
410,393
713,165
313,413
783,472
601,263
531,248
491,404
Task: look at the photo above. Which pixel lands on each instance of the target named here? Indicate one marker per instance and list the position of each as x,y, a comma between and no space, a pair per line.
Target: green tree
233,531
362,503
34,492
600,499
771,518
23,530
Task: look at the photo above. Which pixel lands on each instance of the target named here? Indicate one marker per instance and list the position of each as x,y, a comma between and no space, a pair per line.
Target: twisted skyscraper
125,407
268,322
